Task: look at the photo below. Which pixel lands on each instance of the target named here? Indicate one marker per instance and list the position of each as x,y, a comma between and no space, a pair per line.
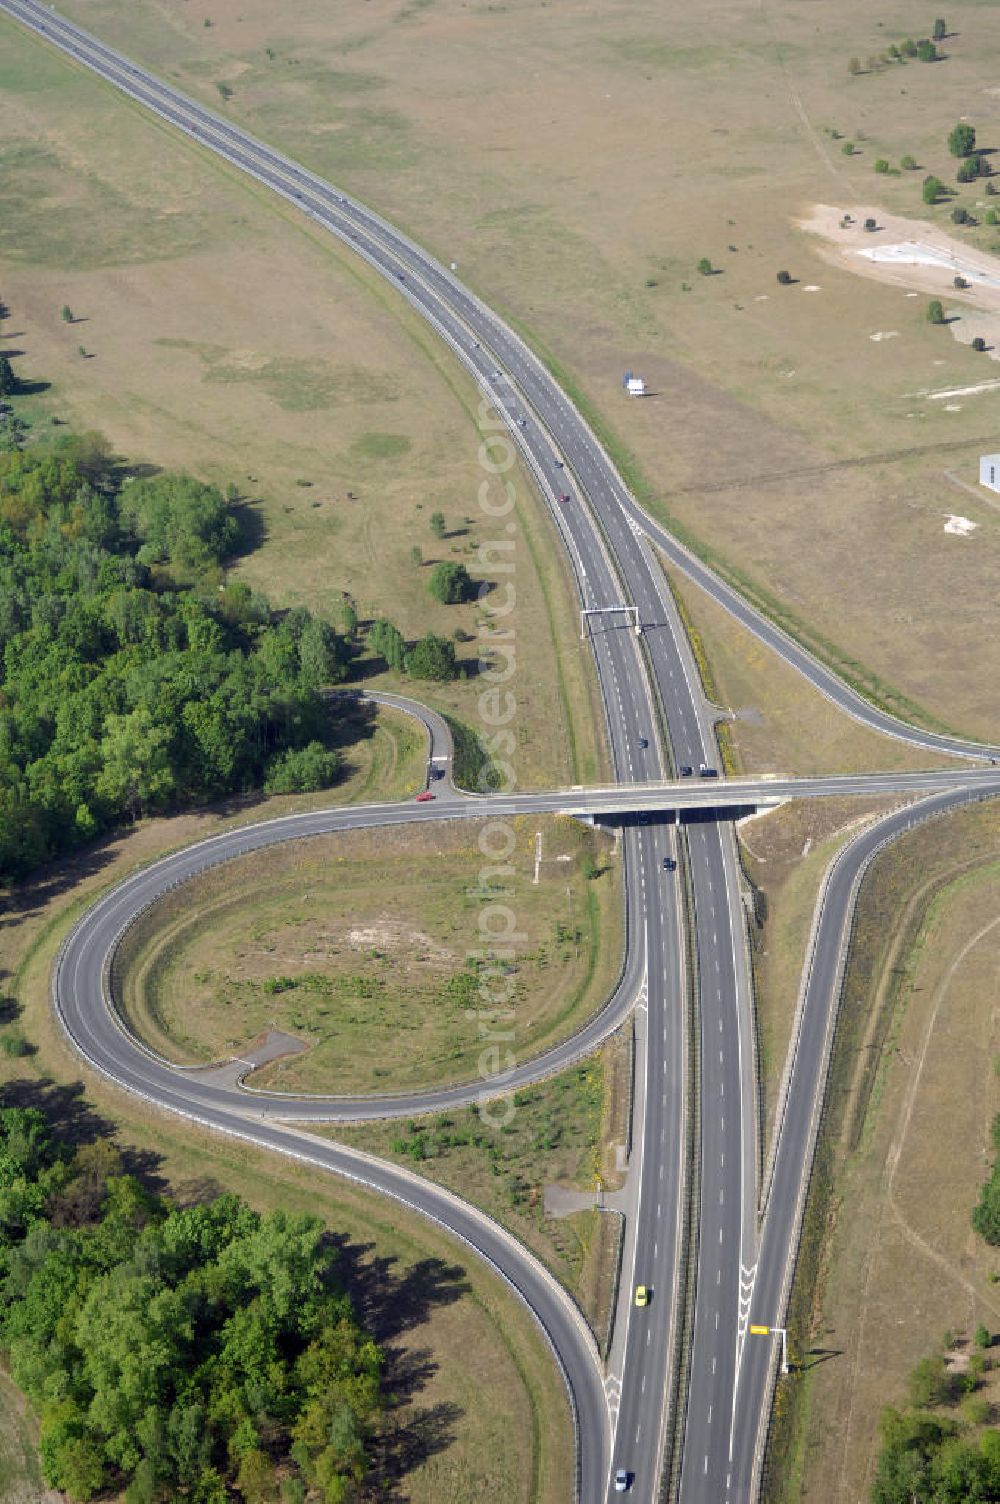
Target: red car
423,798
565,496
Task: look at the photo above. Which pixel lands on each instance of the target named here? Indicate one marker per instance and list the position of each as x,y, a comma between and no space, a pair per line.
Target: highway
651,694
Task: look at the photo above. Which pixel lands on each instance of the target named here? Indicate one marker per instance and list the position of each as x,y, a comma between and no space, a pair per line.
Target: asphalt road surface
648,685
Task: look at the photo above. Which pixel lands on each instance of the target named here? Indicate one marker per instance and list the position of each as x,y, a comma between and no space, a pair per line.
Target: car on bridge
686,770
423,798
669,864
642,1293
623,1480
704,771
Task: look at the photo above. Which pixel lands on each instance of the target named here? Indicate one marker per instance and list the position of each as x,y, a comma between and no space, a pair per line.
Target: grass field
226,336
776,722
786,854
889,1260
562,1132
364,946
452,1330
512,149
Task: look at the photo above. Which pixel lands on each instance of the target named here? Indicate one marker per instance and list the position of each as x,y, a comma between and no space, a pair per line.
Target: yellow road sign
760,1331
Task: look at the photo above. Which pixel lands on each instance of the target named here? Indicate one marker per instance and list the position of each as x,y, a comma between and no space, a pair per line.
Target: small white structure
989,471
635,386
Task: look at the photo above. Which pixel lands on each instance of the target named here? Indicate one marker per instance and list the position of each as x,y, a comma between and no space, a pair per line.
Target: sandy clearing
908,252
960,526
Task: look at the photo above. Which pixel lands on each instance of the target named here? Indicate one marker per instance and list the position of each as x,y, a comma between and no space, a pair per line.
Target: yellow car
641,1295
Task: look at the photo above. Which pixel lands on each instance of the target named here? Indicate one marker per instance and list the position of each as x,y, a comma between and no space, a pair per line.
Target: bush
432,658
926,51
848,148
301,770
908,163
854,66
969,170
960,216
940,30
992,217
881,165
13,1044
930,1383
982,1336
932,189
979,344
437,524
962,139
785,278
960,283
935,312
451,584
705,266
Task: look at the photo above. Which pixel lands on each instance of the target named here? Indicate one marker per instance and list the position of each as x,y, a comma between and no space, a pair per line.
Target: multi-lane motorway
648,682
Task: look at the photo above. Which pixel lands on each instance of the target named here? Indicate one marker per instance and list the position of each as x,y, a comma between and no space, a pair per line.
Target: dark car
669,865
686,770
705,771
558,464
643,743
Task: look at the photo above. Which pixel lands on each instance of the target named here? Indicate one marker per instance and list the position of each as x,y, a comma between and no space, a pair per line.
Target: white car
622,1481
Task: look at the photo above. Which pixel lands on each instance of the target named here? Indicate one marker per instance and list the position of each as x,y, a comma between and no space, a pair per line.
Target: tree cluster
430,657
131,678
202,1352
924,1457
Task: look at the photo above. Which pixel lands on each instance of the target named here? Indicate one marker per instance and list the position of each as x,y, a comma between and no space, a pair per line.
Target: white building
636,387
989,471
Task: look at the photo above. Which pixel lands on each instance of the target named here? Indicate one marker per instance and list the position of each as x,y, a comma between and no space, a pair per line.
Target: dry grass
913,1096
363,945
786,854
564,1131
515,1440
826,482
20,1476
226,336
780,723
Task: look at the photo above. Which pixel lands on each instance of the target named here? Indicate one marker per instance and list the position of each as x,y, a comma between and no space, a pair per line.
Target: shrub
968,171
932,189
451,584
67,314
437,524
705,266
909,47
784,278
301,770
960,283
13,1044
979,344
982,1336
432,658
962,139
940,30
926,51
848,148
960,216
935,312
930,1383
854,66
992,217
881,165
908,163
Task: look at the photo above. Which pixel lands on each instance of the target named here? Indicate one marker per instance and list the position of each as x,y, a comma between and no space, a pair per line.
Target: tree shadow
10,1009
73,1121
390,1302
30,388
252,525
55,880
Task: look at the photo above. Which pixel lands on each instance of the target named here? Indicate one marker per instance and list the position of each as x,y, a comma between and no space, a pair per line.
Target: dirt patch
910,253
